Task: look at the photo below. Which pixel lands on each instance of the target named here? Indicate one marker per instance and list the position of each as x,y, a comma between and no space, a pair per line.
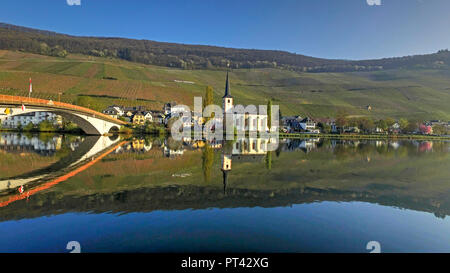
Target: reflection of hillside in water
390,173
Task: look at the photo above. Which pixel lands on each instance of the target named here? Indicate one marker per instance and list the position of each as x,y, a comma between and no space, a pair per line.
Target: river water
111,194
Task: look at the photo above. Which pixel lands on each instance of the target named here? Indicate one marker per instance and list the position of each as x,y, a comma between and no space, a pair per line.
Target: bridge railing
55,104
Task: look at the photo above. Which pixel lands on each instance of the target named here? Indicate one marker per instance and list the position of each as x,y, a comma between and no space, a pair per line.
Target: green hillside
97,82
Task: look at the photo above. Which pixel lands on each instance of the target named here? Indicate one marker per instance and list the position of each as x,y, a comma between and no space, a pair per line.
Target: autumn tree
403,123
381,123
268,159
208,100
342,120
413,125
390,122
207,162
269,114
439,130
366,124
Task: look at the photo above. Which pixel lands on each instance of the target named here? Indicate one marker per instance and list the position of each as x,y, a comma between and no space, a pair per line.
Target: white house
35,118
114,111
148,116
309,125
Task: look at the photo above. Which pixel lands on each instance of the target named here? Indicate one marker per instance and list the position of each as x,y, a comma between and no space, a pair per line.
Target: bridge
90,121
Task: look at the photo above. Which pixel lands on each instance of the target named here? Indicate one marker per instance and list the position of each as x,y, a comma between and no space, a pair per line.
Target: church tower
227,104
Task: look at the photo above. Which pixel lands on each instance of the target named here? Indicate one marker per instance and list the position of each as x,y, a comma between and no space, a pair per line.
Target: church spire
225,181
227,89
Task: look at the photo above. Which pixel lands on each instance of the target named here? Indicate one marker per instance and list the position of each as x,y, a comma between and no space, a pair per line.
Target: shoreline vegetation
365,136
127,131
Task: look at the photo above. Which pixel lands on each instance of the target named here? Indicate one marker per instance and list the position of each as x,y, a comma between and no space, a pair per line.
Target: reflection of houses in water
135,146
21,143
380,143
74,145
425,146
173,148
305,145
140,145
172,153
215,144
198,144
394,144
201,143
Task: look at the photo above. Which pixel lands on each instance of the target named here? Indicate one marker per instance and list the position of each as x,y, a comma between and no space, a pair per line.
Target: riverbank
159,132
360,136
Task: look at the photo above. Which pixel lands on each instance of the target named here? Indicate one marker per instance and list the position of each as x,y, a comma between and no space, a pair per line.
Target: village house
434,122
395,128
379,130
148,116
114,111
309,125
326,122
179,110
158,117
35,118
167,108
131,111
138,118
334,128
352,129
128,114
291,123
135,114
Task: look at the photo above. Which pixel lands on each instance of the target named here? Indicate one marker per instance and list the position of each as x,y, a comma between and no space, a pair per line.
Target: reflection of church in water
243,150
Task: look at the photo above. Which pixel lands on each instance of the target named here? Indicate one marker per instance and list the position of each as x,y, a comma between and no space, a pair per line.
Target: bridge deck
18,100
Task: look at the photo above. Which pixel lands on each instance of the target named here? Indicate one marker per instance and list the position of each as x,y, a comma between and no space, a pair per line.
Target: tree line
194,56
369,125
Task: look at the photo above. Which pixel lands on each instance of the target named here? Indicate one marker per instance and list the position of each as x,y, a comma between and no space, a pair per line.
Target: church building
242,121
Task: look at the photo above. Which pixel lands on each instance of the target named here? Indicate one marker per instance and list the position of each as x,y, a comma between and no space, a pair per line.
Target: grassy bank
359,136
160,131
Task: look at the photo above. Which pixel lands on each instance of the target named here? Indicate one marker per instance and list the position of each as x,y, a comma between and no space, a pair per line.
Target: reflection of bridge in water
89,151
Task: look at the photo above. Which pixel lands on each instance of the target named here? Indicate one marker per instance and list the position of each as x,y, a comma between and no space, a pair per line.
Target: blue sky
344,29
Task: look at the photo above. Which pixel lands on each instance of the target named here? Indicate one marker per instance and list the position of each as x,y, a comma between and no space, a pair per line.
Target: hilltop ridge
187,56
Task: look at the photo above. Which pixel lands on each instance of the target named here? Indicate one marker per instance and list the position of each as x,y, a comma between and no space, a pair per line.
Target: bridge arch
90,121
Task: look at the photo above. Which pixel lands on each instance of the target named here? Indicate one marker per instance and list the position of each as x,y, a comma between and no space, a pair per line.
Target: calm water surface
161,195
